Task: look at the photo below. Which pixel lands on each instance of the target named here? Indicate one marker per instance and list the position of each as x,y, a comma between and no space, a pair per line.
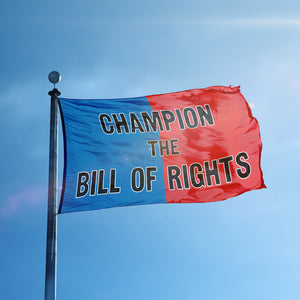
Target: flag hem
65,159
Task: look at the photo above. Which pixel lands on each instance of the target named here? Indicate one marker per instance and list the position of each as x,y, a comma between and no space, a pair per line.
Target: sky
247,247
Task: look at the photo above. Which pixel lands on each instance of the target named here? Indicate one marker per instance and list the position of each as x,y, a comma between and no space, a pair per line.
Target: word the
166,147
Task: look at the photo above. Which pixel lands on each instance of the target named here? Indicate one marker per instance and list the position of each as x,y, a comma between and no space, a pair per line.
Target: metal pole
50,280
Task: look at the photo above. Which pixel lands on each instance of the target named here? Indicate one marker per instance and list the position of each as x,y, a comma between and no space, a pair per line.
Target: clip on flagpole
50,280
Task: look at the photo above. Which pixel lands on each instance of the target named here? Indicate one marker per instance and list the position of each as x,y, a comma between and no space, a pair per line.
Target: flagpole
50,279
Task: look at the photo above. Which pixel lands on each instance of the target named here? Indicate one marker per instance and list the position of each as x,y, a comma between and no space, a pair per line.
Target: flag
199,145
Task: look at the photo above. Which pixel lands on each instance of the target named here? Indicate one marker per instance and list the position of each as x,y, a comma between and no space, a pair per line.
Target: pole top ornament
54,77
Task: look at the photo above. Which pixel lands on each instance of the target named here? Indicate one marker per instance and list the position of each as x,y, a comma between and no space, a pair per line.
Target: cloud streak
247,21
29,197
261,22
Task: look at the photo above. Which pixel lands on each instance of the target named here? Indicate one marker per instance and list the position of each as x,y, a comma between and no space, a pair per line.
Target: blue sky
246,247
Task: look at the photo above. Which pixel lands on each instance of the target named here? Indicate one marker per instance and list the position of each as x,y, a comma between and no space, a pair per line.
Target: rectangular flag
199,145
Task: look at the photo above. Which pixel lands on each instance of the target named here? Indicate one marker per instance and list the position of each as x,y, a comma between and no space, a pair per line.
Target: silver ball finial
54,77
